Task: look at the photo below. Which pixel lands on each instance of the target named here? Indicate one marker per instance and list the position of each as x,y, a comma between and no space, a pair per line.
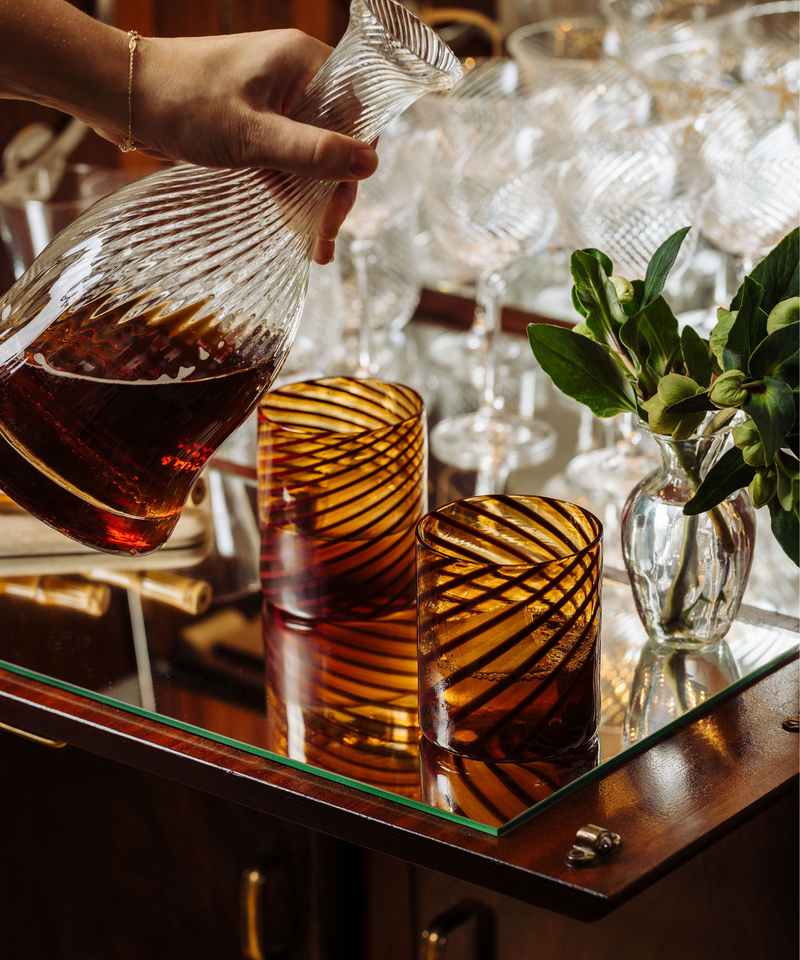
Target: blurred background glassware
608,474
486,200
750,144
669,682
636,27
376,252
509,617
202,313
38,202
576,84
232,567
625,193
560,52
762,45
318,344
342,484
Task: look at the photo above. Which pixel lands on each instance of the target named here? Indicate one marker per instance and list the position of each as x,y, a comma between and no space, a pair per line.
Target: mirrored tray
203,672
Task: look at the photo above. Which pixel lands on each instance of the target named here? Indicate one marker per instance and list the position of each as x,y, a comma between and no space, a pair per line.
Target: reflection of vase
688,573
669,682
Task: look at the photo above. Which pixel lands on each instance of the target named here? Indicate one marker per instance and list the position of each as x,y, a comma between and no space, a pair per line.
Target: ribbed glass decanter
148,329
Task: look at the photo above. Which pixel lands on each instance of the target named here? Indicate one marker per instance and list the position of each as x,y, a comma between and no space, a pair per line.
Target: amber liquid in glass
104,428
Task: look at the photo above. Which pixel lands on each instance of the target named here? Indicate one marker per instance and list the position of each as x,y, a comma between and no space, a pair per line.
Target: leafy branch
628,355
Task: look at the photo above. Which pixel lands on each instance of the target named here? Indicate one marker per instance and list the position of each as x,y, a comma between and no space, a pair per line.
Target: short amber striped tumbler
342,485
508,611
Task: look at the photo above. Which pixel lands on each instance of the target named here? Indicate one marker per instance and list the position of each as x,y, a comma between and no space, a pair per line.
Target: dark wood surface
667,803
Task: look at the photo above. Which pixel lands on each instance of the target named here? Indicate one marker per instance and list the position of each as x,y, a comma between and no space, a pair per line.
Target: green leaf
787,478
748,329
778,356
659,325
582,369
629,337
695,356
772,411
786,528
729,474
719,335
660,265
699,403
605,260
604,315
778,273
577,303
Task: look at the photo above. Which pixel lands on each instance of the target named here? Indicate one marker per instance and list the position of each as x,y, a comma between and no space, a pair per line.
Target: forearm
53,54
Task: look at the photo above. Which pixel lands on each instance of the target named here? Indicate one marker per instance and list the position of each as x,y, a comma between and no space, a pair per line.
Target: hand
214,101
222,101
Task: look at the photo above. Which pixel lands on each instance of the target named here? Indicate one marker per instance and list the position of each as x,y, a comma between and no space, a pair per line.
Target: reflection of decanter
146,332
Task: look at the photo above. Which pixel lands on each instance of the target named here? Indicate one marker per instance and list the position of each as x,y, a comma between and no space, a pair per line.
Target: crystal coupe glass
487,202
148,330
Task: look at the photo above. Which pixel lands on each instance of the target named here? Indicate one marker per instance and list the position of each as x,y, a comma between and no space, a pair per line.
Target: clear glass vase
148,330
688,574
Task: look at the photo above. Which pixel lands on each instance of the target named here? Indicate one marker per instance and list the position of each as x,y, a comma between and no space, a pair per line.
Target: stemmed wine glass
750,144
378,268
487,201
625,192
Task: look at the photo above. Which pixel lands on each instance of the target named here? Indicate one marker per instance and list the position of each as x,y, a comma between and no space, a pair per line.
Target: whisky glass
342,485
508,606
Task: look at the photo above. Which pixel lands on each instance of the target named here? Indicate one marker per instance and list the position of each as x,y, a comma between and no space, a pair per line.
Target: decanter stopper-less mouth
148,329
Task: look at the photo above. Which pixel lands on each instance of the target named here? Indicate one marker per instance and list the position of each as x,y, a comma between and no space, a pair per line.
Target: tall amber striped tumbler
342,485
509,627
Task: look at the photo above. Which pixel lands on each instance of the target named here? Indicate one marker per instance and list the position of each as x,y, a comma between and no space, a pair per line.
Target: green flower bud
783,313
747,439
677,426
658,419
624,289
745,434
675,387
762,488
725,390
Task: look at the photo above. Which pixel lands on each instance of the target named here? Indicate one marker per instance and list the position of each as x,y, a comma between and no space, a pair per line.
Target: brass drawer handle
269,920
34,737
434,937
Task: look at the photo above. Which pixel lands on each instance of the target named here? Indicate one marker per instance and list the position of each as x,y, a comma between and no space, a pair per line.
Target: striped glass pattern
509,626
494,793
342,486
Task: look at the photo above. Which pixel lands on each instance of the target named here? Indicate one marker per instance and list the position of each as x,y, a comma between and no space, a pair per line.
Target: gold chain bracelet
127,144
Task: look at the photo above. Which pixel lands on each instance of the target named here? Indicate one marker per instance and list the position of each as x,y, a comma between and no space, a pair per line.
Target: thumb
309,151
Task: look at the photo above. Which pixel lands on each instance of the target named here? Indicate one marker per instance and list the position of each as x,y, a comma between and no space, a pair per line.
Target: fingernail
363,162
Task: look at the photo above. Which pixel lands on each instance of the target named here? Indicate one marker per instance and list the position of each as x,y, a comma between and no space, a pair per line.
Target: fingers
341,203
323,252
284,144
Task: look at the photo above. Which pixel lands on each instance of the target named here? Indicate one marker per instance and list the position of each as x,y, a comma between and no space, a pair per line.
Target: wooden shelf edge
529,862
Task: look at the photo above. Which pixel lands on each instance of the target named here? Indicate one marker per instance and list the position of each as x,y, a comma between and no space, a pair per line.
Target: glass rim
325,381
533,564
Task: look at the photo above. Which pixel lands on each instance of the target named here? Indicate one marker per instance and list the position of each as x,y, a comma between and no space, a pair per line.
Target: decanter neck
386,60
